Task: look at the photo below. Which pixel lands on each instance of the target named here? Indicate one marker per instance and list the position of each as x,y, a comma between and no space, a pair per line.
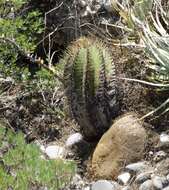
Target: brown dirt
136,97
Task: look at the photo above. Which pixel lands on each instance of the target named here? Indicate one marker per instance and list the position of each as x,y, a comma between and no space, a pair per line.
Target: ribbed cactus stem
89,79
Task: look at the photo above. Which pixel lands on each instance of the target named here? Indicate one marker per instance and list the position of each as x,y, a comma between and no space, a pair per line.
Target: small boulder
122,144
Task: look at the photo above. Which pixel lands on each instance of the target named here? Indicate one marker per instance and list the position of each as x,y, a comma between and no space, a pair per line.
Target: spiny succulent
89,80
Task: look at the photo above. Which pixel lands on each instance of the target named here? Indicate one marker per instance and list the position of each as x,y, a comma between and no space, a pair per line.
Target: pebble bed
142,175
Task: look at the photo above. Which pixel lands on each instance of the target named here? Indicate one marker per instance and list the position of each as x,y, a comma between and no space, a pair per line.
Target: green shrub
22,167
19,31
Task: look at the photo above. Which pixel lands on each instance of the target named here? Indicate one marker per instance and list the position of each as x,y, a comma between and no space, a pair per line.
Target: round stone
55,151
74,139
103,184
122,144
124,178
147,185
164,138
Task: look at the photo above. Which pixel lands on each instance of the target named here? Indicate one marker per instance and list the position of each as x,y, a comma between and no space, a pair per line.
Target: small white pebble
82,3
55,151
164,138
150,153
124,178
73,139
103,185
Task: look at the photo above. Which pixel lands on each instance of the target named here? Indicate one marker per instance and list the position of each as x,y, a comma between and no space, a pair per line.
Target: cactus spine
89,80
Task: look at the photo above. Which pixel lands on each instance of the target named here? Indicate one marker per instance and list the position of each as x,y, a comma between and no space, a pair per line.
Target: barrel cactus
89,80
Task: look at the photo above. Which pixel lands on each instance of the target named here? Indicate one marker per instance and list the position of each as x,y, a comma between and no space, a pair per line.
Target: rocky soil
132,154
117,172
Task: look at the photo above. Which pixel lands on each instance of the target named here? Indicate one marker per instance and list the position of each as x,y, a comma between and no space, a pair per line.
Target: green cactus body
89,79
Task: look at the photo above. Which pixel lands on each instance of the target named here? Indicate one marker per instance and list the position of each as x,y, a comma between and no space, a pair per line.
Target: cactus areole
89,79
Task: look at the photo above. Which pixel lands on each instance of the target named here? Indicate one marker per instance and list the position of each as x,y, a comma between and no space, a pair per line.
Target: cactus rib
90,84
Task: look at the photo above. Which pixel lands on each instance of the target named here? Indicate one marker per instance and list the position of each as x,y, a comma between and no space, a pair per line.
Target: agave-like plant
89,80
137,8
150,20
156,39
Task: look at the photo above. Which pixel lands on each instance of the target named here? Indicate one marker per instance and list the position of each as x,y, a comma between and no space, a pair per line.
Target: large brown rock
122,144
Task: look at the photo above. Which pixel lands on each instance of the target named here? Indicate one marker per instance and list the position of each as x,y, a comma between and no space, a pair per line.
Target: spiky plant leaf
153,30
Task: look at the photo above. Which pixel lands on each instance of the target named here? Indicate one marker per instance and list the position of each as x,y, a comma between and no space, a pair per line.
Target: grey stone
164,138
55,151
147,185
142,177
74,139
138,167
157,182
124,178
82,3
104,185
